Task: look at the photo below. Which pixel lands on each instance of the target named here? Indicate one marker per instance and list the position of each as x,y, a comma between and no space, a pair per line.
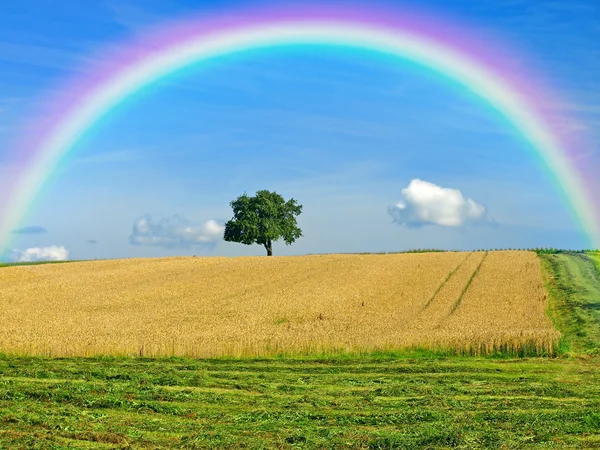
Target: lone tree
262,219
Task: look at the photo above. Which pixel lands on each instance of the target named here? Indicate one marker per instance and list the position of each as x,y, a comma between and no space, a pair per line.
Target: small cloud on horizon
33,254
34,229
91,241
425,203
175,232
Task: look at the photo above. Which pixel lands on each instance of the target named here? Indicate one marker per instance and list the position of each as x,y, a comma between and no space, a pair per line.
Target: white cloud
175,232
426,203
51,253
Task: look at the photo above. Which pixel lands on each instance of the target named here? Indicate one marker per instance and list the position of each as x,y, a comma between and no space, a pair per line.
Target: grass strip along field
573,281
472,303
404,400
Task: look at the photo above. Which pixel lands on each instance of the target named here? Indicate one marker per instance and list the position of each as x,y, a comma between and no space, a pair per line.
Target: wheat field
475,302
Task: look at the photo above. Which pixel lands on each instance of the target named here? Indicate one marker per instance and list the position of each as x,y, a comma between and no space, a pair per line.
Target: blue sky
343,132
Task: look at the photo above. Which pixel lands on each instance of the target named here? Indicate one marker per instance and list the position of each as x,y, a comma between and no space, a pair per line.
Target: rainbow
488,72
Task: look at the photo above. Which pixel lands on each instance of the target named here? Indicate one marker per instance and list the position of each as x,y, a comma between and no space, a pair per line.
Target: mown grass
595,256
366,402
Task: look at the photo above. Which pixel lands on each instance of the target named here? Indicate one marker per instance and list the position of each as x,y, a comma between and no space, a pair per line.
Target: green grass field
375,401
339,403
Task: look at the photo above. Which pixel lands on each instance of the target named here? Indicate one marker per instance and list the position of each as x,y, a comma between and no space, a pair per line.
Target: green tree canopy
263,219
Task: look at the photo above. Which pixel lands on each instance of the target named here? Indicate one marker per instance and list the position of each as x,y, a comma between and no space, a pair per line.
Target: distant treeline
558,250
547,251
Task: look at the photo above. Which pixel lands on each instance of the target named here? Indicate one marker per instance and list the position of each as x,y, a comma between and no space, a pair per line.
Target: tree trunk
269,247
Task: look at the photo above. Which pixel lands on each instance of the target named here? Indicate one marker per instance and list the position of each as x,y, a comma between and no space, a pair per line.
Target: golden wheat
250,306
